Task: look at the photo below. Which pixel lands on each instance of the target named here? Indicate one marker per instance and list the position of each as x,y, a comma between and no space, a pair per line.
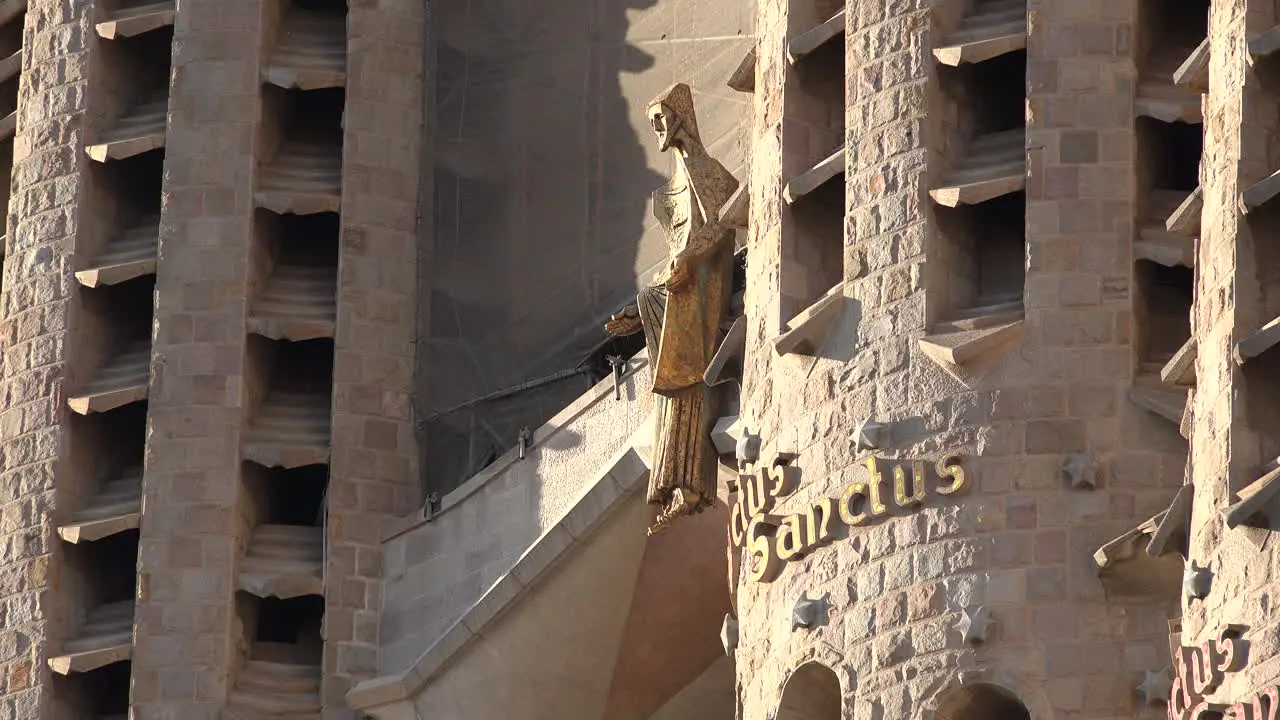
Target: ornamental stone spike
729,634
1196,581
1156,686
1080,471
869,435
974,625
748,448
805,614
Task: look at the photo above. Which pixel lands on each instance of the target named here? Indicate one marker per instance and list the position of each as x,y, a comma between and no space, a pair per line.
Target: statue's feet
624,323
682,502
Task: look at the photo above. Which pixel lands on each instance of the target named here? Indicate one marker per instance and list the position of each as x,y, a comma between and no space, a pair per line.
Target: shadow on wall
543,168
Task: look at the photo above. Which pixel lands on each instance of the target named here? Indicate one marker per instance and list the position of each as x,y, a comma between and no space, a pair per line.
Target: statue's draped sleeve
691,320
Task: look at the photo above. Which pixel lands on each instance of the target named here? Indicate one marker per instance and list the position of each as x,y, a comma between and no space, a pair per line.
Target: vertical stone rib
373,466
36,305
186,632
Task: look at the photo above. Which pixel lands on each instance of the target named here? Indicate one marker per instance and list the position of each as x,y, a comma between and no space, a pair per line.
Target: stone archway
982,701
811,693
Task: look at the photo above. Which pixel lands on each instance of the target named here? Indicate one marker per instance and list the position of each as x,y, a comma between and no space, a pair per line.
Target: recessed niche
128,116
102,488
101,694
310,48
982,131
285,521
1168,34
113,334
289,386
1163,308
280,675
119,241
987,241
301,171
101,578
294,276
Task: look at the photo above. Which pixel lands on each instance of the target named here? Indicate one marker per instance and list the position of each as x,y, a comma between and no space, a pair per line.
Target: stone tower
208,318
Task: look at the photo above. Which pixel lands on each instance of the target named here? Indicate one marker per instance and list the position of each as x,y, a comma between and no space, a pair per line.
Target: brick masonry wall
186,632
374,473
1019,541
36,305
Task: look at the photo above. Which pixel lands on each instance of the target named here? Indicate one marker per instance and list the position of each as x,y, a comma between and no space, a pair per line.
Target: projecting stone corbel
1260,193
1193,73
1126,571
1173,530
813,178
1157,245
976,332
743,78
993,165
1256,502
1181,368
736,211
807,331
726,434
724,363
808,41
1264,43
1185,219
1168,403
987,33
1259,342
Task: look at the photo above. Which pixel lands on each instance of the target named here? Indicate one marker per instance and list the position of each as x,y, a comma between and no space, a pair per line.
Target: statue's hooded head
671,115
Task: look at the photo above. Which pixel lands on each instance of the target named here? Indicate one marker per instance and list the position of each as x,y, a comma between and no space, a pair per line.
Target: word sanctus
1198,671
773,540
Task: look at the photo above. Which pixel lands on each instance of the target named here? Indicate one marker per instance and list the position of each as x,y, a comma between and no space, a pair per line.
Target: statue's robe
682,326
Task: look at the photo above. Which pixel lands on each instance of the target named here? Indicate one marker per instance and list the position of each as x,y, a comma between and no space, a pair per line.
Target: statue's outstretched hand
677,275
624,323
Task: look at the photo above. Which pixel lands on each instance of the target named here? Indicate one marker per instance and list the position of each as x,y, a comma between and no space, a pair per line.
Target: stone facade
1028,239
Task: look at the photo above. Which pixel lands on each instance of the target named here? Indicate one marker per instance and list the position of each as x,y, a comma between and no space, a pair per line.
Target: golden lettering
876,481
738,523
765,563
785,478
758,498
818,523
855,491
790,541
900,495
949,466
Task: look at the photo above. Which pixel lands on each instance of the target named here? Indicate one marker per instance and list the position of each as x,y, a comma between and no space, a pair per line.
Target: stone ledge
136,20
815,177
810,40
620,480
1193,73
1185,218
1254,500
1181,368
807,331
985,34
743,78
1264,43
602,390
975,332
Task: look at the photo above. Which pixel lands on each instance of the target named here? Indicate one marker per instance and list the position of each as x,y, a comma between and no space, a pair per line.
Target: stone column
36,303
186,632
374,473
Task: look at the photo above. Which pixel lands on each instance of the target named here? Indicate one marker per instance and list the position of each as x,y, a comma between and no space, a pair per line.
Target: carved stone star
806,611
1196,581
974,625
729,634
748,448
869,435
1156,686
1081,471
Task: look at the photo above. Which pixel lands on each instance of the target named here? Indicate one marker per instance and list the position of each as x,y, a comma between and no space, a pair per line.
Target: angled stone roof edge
558,422
618,481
